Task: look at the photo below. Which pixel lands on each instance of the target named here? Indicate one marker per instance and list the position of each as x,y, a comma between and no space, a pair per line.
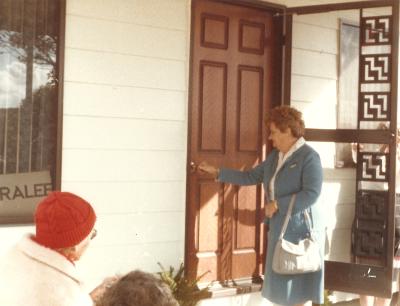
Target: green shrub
185,291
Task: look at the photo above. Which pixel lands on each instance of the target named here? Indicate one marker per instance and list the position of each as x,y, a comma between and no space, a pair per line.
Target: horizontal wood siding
125,129
155,104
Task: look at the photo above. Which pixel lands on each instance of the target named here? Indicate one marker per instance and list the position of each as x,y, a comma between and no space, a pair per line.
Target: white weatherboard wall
125,129
125,126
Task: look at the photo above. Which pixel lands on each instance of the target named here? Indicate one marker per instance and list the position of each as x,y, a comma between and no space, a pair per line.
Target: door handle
193,167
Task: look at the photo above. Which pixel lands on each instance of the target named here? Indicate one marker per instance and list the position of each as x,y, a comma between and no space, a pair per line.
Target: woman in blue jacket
291,168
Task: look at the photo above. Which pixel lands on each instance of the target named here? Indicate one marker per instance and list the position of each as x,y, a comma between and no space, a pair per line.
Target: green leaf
185,291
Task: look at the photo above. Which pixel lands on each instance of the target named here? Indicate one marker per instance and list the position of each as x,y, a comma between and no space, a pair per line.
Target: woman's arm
245,178
237,177
251,177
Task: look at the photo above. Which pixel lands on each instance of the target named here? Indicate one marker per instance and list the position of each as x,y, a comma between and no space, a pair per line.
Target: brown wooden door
231,89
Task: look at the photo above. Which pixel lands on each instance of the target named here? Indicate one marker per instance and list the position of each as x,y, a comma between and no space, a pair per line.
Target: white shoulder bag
290,258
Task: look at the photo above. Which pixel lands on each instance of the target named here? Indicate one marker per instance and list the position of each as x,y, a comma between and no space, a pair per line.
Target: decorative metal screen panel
372,205
373,166
373,162
375,68
375,106
370,225
376,30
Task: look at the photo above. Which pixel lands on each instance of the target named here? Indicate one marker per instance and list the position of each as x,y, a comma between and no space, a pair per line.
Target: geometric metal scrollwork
370,243
373,166
375,68
370,223
376,30
375,106
372,204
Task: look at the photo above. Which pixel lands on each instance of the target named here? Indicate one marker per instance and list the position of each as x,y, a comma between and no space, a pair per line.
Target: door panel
231,89
245,240
212,106
250,104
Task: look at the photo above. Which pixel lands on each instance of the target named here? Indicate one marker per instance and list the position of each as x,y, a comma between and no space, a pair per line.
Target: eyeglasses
93,234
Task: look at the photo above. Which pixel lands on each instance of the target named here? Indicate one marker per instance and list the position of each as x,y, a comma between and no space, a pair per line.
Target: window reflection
29,32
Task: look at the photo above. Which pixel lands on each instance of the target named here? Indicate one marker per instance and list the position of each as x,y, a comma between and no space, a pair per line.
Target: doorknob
193,167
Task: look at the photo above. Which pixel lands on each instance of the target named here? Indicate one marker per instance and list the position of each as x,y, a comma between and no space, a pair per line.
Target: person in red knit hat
40,270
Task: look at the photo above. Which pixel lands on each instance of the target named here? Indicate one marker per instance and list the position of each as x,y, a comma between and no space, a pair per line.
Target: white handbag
291,258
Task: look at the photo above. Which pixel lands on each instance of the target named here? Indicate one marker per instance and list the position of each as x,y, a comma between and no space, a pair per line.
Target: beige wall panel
323,108
310,63
329,20
117,69
123,134
140,228
158,13
303,89
340,245
123,259
324,40
131,197
123,165
342,217
338,192
338,174
323,20
125,38
124,102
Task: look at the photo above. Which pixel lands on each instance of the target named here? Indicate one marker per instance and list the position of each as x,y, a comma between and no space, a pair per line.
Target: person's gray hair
138,288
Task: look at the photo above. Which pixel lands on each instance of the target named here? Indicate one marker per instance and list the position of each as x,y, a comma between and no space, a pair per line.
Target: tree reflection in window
28,91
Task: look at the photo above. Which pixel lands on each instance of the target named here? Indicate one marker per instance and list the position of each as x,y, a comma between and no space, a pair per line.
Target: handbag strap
289,212
310,223
287,217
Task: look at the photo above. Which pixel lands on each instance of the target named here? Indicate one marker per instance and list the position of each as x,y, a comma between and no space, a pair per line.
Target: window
30,40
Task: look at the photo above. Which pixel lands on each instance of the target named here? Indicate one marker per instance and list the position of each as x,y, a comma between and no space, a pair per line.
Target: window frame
56,172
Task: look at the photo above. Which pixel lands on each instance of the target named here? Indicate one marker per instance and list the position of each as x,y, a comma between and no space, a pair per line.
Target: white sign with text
20,193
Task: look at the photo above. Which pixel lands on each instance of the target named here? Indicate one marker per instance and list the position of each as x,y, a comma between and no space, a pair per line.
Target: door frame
276,98
351,277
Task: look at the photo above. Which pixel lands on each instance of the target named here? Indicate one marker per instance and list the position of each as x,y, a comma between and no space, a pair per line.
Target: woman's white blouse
281,160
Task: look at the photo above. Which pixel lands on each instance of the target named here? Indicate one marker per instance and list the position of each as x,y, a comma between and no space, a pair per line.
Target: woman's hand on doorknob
206,168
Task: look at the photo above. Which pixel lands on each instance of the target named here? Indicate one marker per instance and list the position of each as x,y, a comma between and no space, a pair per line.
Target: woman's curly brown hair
285,117
138,288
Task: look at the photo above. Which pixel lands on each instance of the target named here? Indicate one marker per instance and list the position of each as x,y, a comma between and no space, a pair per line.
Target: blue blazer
301,174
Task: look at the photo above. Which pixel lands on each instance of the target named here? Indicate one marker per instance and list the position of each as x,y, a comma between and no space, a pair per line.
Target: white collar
48,257
297,145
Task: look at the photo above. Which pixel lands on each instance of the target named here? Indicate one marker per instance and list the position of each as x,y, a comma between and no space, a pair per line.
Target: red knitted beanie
63,220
